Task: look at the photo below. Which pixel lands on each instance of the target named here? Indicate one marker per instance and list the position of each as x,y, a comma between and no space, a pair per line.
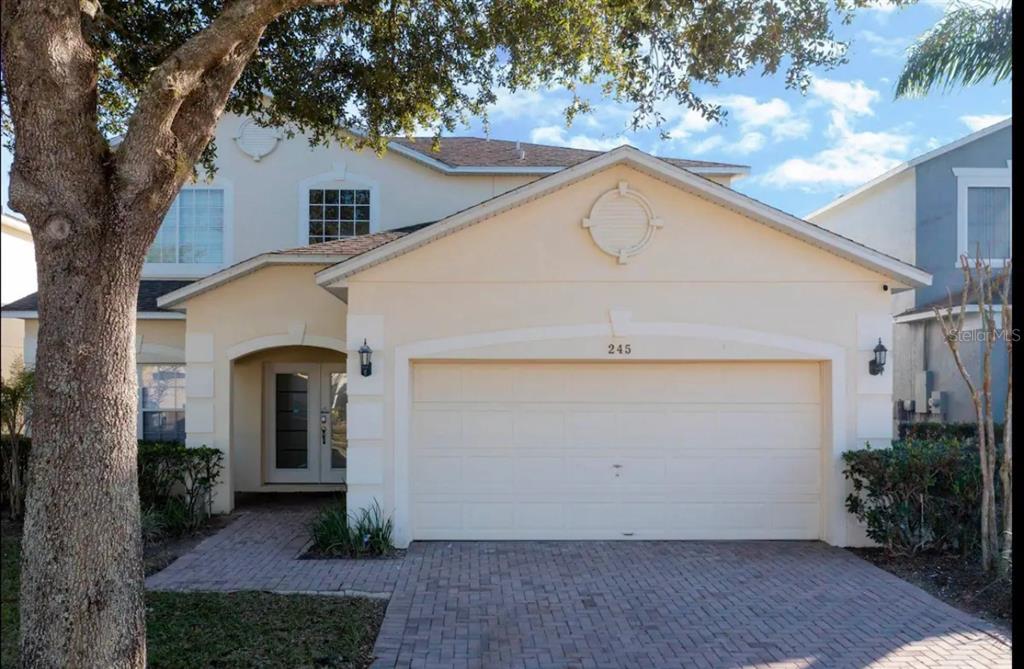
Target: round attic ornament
622,223
255,140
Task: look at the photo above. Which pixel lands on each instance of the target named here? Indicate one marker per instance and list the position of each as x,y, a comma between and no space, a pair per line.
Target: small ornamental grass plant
366,533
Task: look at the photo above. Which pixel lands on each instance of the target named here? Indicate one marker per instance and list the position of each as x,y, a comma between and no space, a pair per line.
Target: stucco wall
536,268
278,306
883,217
17,279
269,196
156,340
12,337
936,208
17,263
922,347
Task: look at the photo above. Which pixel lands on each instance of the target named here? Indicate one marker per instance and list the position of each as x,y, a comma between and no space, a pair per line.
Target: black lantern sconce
365,362
877,364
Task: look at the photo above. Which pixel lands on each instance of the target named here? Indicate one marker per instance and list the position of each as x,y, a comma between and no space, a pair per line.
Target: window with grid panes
192,232
336,213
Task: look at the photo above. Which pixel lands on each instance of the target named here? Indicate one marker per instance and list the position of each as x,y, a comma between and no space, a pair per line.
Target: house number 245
619,349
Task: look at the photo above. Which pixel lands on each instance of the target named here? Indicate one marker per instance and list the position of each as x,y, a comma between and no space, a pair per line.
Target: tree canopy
969,45
396,67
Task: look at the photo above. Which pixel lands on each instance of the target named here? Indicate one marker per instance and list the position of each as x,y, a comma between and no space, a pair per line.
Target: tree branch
177,113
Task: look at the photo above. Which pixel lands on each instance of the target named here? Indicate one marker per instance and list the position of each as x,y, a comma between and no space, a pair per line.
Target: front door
305,422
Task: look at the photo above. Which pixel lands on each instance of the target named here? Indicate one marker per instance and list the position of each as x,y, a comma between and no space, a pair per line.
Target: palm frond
968,45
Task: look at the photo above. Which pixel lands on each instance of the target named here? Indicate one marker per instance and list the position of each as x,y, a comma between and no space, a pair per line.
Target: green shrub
938,431
15,413
14,473
919,495
366,533
176,485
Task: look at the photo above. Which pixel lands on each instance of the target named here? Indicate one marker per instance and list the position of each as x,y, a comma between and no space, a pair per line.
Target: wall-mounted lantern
365,362
877,364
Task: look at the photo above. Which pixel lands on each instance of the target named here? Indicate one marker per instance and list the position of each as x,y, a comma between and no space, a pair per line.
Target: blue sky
803,150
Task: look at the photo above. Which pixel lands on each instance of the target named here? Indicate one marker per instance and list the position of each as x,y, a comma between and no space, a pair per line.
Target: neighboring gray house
928,211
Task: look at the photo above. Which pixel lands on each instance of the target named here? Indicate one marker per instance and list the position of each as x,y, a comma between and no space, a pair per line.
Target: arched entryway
288,419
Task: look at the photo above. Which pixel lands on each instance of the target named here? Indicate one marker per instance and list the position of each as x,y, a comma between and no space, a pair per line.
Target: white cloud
881,6
851,159
979,121
775,115
751,142
705,145
689,122
791,128
887,47
556,134
848,96
548,134
538,105
887,7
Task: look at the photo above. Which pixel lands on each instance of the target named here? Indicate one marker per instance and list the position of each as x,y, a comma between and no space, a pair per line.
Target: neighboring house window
192,232
984,213
336,213
162,400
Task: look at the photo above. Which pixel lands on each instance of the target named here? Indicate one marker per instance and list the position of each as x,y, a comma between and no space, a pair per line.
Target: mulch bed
955,580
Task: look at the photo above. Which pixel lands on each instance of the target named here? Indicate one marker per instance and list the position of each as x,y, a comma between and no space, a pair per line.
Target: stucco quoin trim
888,266
833,519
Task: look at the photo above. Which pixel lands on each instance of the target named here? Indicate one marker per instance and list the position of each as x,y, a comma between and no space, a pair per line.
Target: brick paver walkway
608,604
258,551
669,604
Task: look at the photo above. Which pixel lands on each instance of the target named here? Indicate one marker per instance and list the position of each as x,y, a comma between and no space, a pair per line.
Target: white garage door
715,450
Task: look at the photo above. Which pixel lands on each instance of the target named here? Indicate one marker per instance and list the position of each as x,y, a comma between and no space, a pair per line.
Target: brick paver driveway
668,604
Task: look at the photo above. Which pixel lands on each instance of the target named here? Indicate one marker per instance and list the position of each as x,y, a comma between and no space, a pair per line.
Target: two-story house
929,211
509,340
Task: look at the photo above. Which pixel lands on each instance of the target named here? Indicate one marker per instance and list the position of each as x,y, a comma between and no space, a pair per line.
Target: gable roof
827,240
465,154
324,253
914,162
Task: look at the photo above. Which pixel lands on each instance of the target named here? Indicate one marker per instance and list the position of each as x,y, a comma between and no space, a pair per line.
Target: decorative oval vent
255,140
622,222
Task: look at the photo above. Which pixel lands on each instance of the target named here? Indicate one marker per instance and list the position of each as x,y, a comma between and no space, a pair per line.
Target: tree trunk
82,552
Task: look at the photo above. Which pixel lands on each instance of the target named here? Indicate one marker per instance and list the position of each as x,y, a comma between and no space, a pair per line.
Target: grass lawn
250,629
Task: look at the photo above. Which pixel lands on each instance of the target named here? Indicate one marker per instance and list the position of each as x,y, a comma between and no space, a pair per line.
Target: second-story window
335,213
193,229
988,221
984,213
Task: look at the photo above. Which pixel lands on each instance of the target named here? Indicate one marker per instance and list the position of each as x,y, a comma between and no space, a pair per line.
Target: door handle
323,429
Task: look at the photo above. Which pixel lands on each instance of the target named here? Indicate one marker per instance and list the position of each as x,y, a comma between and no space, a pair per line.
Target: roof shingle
485,152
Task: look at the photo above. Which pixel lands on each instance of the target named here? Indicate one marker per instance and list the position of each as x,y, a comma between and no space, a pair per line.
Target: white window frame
139,419
979,177
169,270
338,178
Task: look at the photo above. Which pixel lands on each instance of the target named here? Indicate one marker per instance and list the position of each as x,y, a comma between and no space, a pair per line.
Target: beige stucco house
17,279
562,344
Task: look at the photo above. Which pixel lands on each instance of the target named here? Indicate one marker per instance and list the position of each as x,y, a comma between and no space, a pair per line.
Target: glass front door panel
337,398
291,444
